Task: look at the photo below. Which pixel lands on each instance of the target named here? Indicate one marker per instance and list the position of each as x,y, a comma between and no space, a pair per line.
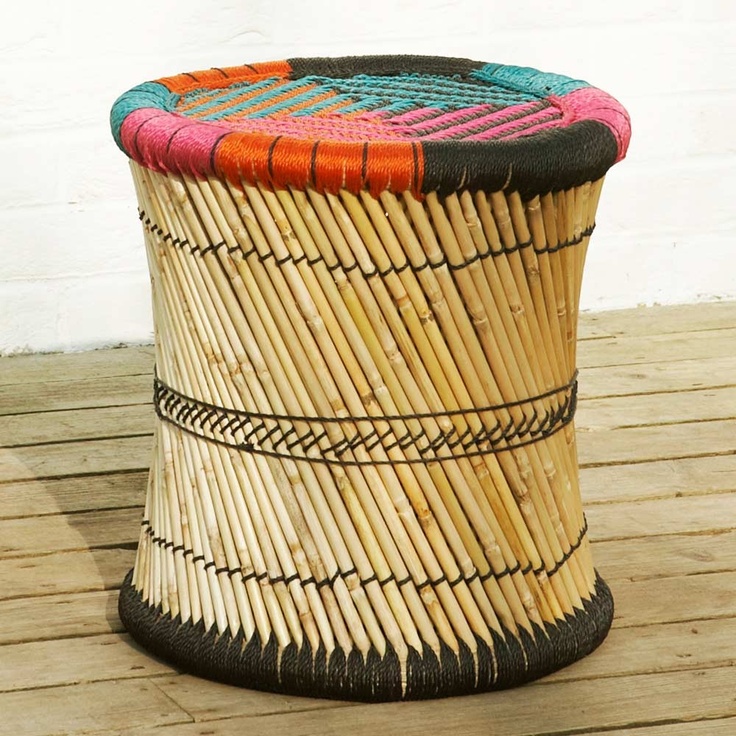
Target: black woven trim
378,65
549,161
296,437
260,665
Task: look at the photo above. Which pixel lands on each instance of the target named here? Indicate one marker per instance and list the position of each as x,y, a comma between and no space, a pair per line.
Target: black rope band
503,427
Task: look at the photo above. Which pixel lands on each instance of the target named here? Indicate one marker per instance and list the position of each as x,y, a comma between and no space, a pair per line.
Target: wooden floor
657,433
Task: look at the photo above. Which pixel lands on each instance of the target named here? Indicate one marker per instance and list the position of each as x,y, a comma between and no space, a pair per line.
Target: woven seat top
379,123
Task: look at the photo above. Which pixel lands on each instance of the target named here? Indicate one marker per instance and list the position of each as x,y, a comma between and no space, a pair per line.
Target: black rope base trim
260,666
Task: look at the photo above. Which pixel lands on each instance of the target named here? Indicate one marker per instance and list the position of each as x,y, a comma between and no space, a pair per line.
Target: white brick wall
73,271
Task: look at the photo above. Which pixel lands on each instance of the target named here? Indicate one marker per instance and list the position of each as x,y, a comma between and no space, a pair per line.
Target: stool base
253,664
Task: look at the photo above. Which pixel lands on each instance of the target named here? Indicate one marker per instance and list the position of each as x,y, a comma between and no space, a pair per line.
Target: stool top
380,123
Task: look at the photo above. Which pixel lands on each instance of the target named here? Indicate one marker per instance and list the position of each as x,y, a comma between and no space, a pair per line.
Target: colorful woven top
377,122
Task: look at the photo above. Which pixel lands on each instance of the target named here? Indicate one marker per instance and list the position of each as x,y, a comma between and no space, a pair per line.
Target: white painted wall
73,272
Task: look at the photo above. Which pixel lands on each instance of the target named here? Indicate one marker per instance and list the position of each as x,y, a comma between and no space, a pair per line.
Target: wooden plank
74,661
657,648
660,479
688,514
138,419
666,556
540,709
648,378
132,453
65,532
207,701
112,528
84,708
669,600
68,572
74,458
663,320
652,409
632,559
711,727
72,494
630,350
92,388
638,603
626,652
663,442
78,424
58,616
52,367
75,394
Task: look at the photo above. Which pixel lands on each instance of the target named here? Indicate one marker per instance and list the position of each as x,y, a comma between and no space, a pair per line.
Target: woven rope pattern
381,123
298,438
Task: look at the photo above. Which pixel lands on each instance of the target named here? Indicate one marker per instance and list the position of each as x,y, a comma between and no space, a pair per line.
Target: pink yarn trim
171,142
590,103
507,130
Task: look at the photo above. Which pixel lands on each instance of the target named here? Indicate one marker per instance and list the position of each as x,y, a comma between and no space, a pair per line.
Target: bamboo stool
366,273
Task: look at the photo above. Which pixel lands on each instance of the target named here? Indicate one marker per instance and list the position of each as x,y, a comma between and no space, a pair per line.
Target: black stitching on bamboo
375,271
212,247
203,420
434,583
328,581
373,578
269,155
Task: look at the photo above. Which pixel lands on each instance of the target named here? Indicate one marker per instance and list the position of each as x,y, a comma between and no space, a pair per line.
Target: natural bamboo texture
366,438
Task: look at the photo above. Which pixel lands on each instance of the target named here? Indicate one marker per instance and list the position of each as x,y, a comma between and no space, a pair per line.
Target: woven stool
366,274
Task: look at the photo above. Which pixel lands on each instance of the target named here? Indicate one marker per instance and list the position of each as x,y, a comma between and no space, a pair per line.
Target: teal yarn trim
526,79
427,90
148,94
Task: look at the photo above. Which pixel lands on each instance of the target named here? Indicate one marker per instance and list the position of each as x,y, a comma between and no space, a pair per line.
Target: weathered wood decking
657,433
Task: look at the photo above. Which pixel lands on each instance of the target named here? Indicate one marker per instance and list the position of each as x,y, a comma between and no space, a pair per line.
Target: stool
366,275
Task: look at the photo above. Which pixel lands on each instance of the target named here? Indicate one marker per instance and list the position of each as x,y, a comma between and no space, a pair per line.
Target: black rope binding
369,272
497,574
313,439
511,660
